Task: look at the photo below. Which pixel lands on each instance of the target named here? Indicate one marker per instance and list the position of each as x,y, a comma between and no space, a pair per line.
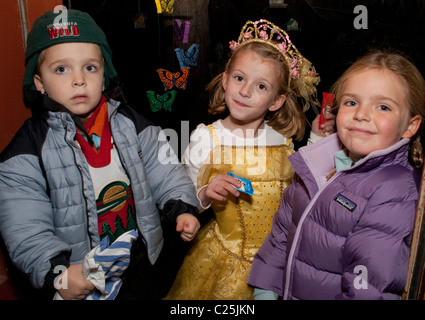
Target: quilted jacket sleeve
268,266
167,178
26,217
197,151
376,254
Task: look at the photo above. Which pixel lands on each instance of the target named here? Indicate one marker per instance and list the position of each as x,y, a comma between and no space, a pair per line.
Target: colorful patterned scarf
99,154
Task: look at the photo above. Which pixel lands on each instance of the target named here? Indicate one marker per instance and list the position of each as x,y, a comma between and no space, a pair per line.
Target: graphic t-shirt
114,198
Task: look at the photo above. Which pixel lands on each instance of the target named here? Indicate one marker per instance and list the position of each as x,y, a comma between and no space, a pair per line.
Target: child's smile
373,113
251,90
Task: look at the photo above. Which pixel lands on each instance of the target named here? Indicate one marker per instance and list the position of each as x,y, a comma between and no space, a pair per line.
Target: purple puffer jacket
346,238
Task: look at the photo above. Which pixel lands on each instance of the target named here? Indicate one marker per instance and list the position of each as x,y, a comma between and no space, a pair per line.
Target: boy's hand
77,286
219,188
188,226
327,128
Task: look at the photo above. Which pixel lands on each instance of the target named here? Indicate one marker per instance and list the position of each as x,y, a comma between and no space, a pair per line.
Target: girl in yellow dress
259,88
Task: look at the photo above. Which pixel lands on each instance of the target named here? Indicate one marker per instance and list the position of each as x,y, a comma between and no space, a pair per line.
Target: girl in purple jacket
344,226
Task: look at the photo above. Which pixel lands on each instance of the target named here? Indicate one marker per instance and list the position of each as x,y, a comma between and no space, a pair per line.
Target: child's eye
384,108
350,103
91,68
60,69
238,78
262,86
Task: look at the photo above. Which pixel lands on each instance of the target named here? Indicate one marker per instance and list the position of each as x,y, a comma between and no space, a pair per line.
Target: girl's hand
327,128
219,188
77,287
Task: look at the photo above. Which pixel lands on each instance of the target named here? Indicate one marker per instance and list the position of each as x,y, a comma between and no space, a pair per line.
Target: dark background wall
327,37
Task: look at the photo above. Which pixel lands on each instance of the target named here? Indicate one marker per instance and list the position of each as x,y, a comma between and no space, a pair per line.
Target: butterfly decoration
188,58
178,79
161,101
181,30
164,6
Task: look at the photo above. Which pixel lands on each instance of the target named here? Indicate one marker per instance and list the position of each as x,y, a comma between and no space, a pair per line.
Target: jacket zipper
75,148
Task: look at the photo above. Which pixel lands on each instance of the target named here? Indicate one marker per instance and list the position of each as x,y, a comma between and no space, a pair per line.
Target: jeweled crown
303,77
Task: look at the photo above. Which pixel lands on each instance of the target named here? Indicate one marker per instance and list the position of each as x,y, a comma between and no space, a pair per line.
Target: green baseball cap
78,27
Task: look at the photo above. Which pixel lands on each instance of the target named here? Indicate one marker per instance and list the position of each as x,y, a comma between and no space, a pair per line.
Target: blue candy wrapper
246,185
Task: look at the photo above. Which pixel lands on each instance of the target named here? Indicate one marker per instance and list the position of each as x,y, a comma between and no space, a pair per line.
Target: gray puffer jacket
47,200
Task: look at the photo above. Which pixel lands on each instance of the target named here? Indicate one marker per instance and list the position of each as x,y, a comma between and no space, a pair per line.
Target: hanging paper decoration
158,101
277,4
292,25
164,6
139,21
178,79
188,58
181,30
158,6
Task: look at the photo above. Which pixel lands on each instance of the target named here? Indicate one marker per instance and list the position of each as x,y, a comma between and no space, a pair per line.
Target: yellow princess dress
218,263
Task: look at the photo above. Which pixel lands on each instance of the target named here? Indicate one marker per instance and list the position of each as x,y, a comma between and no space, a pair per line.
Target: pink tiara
303,74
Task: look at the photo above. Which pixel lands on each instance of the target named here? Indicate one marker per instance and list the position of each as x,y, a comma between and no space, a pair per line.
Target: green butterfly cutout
158,101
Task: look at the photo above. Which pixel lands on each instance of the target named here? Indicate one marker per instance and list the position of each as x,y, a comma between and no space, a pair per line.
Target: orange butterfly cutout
178,79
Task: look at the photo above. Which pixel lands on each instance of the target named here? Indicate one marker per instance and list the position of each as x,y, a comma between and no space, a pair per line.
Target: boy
84,167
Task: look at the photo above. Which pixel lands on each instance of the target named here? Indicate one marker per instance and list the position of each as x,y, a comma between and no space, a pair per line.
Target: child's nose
245,90
361,113
79,79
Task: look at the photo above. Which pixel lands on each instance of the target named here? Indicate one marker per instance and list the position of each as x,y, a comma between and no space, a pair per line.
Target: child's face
72,75
373,112
251,88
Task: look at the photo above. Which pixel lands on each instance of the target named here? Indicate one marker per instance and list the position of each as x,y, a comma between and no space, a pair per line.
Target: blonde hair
289,120
414,88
